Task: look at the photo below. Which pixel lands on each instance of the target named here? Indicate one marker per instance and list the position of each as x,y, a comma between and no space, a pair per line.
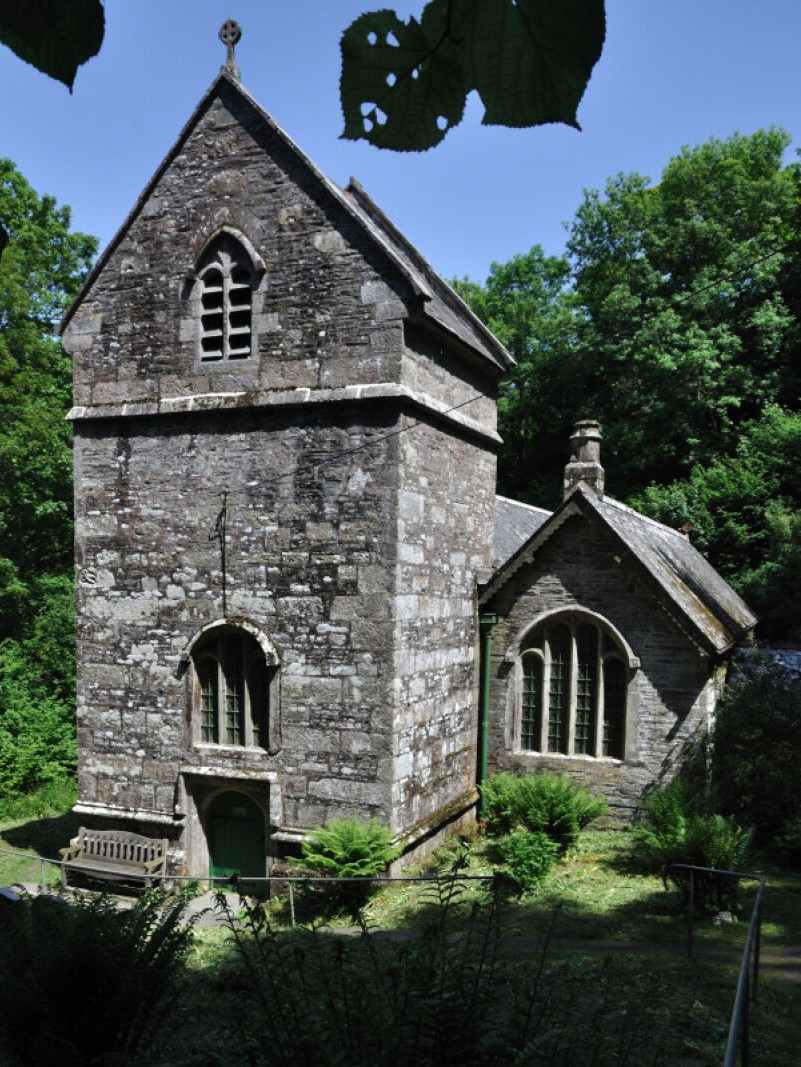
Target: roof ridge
646,518
523,504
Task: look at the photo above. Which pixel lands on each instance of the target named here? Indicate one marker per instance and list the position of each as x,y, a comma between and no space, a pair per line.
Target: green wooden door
236,837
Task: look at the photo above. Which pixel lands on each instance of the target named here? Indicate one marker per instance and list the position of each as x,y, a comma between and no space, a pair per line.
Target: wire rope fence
738,1041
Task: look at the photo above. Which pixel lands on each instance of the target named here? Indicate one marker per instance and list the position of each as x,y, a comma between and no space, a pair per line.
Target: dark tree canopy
674,320
404,84
56,36
41,269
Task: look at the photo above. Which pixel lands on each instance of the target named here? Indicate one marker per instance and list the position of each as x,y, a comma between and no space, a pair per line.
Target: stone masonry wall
444,536
308,563
581,566
356,519
327,310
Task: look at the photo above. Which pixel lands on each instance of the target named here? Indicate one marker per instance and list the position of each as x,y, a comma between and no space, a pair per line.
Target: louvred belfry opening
226,281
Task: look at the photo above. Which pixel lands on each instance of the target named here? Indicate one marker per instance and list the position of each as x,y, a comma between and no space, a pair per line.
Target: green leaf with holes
55,36
400,89
404,84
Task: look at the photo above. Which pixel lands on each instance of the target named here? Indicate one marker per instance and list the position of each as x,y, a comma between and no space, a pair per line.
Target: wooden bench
115,855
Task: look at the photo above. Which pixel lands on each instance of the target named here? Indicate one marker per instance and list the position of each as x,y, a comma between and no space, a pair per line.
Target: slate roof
514,525
677,572
438,302
441,303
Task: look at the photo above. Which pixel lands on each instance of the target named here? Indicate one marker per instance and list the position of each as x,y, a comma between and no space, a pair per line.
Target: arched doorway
235,829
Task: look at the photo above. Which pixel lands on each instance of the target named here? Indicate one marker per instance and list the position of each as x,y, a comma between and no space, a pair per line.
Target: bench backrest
121,847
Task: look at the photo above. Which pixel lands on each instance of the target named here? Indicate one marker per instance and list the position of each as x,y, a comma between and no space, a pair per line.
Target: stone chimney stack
585,460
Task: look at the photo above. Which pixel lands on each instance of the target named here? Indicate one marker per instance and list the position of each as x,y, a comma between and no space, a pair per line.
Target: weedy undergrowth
84,982
453,993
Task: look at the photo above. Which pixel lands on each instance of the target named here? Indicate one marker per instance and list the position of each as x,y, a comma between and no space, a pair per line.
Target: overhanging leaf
530,60
399,89
404,84
55,36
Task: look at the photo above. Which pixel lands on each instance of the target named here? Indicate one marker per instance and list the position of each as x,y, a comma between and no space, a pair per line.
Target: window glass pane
559,692
234,705
531,710
614,708
586,689
233,689
209,701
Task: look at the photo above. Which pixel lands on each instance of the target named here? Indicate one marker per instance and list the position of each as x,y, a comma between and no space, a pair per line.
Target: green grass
596,892
600,891
36,825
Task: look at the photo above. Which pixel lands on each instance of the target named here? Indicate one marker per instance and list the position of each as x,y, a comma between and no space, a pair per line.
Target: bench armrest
71,852
153,865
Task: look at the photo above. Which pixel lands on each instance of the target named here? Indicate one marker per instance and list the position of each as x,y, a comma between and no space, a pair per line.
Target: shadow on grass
43,836
37,837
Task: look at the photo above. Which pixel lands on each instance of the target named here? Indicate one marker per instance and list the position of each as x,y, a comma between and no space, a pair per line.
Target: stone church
290,557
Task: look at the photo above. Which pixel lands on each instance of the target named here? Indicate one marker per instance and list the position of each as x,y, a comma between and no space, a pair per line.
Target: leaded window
232,689
574,689
531,709
559,689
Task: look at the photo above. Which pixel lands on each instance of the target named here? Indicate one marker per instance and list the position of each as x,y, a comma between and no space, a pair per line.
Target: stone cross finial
230,34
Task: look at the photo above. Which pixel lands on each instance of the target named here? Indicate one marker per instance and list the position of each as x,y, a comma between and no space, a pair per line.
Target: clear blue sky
671,74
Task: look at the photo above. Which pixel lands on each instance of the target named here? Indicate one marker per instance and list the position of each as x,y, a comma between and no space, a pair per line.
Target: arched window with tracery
235,690
226,282
574,678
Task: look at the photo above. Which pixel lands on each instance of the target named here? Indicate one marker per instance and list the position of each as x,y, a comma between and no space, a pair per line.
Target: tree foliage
687,331
55,36
674,319
756,746
41,269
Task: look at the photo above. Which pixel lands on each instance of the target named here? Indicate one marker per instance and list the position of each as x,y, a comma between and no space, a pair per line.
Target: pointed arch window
574,683
226,284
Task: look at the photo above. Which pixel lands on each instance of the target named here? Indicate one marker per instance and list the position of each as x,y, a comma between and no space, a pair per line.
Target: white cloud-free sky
671,74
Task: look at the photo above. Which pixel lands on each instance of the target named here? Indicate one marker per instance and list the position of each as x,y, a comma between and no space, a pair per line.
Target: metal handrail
739,1036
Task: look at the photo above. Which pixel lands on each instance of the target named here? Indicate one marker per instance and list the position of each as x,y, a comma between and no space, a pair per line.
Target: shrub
756,752
540,803
84,982
530,855
674,830
347,848
788,841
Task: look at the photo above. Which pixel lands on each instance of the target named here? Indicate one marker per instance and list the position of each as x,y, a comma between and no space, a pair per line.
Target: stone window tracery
226,283
573,688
